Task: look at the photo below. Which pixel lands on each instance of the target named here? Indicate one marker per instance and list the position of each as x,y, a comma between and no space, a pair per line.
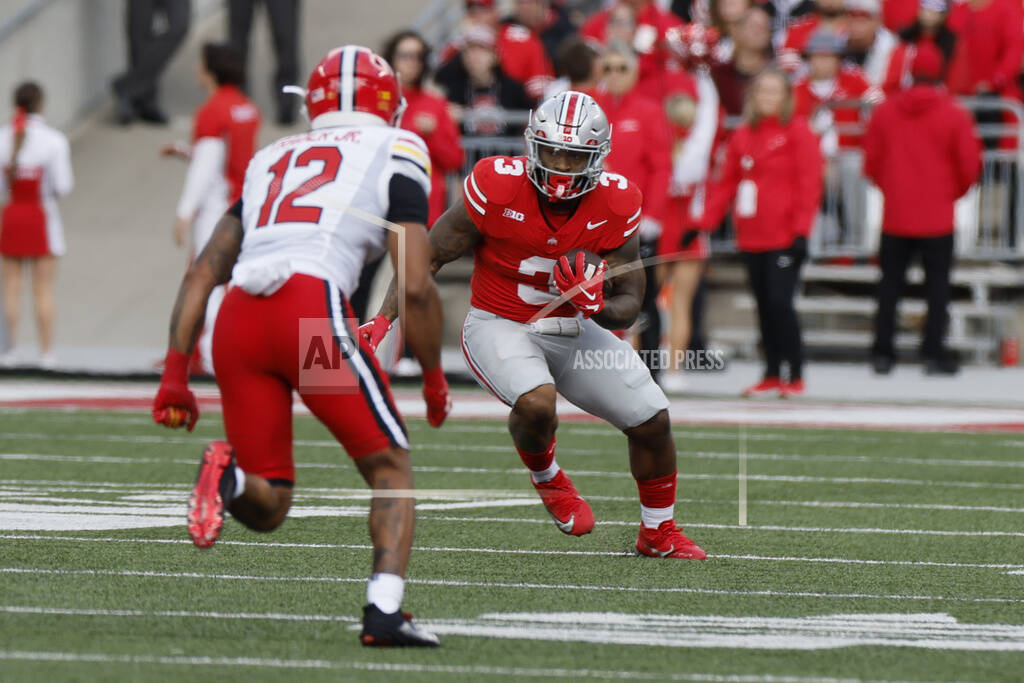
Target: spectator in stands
283,17
641,151
987,59
546,22
520,53
475,83
224,136
920,149
773,171
426,114
149,52
725,16
898,15
35,169
827,14
578,68
693,112
752,52
930,27
649,36
870,45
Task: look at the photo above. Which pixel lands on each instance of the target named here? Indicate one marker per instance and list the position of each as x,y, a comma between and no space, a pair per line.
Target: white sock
542,476
239,482
385,591
653,517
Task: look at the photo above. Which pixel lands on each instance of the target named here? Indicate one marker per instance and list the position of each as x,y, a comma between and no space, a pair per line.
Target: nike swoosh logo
661,553
631,230
591,226
592,297
566,526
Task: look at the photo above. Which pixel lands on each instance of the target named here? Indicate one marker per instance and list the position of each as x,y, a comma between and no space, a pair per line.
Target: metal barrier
989,220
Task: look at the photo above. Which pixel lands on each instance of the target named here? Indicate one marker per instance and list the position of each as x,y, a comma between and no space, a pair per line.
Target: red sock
657,499
539,462
658,493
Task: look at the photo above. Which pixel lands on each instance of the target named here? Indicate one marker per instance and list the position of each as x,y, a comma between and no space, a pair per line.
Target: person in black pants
149,53
284,28
921,150
894,256
774,276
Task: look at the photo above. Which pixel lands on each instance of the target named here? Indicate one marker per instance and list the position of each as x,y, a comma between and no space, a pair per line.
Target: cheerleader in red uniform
36,170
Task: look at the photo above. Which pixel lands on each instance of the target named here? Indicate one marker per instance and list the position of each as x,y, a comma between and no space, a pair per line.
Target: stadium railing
989,219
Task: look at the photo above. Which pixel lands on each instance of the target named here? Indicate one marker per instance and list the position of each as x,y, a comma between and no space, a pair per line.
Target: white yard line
342,665
511,551
453,583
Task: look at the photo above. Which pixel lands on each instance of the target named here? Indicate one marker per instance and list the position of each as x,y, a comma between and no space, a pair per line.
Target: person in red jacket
642,152
920,149
773,170
827,14
930,27
990,43
650,36
426,114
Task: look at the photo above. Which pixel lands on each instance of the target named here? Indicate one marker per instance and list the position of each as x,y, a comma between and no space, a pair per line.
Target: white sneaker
48,361
674,382
10,358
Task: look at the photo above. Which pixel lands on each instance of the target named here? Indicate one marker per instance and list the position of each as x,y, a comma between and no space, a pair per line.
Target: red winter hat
928,62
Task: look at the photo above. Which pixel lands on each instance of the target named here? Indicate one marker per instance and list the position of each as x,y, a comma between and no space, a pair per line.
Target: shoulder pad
623,196
497,180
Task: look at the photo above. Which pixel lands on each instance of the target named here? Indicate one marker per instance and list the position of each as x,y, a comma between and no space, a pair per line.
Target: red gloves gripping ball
175,405
588,296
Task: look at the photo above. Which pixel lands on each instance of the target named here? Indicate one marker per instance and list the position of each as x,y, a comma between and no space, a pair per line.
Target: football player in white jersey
314,207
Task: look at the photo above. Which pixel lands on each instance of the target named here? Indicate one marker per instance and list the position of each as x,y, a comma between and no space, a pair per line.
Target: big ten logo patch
328,358
514,215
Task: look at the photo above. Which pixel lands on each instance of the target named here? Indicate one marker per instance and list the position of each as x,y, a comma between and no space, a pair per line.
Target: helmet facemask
557,184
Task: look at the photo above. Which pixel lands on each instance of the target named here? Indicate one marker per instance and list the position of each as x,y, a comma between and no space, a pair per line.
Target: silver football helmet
571,122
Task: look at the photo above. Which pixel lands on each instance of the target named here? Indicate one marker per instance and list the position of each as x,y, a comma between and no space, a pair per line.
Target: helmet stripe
346,75
572,112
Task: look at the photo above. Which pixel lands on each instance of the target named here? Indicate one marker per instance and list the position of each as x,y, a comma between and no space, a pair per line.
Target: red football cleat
206,504
571,513
667,541
794,388
769,385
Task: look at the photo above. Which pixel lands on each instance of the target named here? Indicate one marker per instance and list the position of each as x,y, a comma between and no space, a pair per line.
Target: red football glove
174,404
375,331
589,297
437,396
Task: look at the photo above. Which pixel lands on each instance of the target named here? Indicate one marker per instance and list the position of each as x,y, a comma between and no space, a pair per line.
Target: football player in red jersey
538,325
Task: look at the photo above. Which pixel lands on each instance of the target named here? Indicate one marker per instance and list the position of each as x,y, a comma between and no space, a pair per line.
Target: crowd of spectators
674,78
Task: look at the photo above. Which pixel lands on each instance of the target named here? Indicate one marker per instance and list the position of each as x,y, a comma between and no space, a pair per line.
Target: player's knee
388,468
655,429
536,409
264,517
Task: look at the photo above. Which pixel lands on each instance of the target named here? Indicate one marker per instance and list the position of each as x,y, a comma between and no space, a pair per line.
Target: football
592,260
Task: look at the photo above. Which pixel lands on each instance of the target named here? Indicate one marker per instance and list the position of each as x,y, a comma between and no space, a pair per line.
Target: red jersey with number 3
512,265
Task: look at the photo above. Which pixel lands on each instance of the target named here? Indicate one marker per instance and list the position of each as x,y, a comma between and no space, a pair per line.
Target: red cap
928,62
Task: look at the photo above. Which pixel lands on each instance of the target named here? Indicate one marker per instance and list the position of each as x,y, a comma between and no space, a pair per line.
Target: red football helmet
354,78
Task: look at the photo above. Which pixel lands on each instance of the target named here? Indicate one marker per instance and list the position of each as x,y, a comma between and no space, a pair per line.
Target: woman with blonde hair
36,162
772,178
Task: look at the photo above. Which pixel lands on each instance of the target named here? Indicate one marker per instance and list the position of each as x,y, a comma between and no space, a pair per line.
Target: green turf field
918,534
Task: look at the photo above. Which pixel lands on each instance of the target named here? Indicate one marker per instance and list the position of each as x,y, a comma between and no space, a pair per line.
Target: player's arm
626,272
175,405
453,235
212,268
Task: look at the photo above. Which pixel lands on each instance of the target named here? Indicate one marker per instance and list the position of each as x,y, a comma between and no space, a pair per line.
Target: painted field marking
473,670
453,583
511,551
742,476
264,616
932,631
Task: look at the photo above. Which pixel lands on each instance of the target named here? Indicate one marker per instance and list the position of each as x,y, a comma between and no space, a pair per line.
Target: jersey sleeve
473,194
408,156
624,201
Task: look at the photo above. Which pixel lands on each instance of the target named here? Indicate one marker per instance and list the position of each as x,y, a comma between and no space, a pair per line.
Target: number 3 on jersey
287,211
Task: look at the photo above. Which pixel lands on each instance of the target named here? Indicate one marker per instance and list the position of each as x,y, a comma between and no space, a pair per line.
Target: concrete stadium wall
73,48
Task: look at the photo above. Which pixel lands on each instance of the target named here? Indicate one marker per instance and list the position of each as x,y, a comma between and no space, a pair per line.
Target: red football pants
263,348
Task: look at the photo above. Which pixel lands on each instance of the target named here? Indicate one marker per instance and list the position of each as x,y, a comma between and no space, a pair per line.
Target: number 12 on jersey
287,211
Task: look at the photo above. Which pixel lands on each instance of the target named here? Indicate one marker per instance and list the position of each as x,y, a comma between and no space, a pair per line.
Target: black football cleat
393,630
